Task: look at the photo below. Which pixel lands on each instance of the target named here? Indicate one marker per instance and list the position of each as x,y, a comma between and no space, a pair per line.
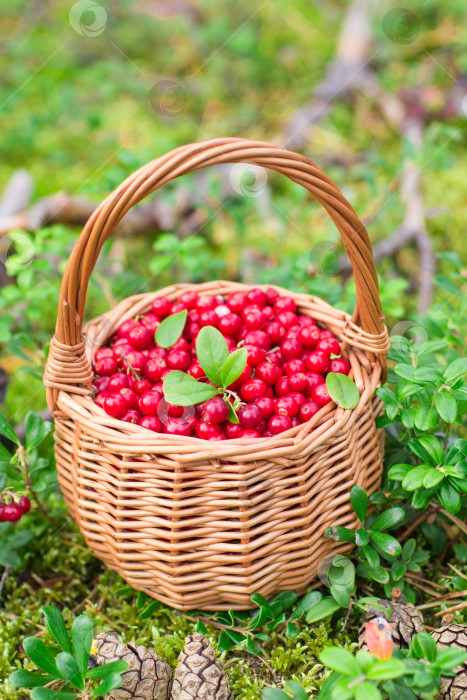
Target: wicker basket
206,524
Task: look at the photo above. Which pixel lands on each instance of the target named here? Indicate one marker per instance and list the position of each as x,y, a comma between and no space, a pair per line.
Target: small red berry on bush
179,359
11,512
25,504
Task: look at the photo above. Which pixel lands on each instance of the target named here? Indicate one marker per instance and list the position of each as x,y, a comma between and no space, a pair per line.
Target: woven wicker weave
206,524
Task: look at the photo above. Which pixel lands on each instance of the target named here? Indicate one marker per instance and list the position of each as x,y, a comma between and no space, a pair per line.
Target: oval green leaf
212,352
170,329
342,390
233,366
180,389
446,406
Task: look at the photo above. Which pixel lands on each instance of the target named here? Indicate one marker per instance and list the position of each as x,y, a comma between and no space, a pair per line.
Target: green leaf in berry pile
232,416
170,329
359,501
233,366
342,390
212,352
181,389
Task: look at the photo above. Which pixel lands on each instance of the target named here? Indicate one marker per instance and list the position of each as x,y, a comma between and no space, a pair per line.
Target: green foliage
66,667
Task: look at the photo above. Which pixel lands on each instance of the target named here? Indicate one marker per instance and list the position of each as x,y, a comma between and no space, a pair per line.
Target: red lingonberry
140,337
308,410
298,381
292,332
157,353
104,352
217,437
268,372
236,302
141,386
151,322
327,334
268,312
125,327
275,331
189,299
246,374
130,396
339,365
230,324
181,344
11,512
282,386
195,370
233,430
177,426
276,357
208,318
114,405
330,346
192,330
271,295
267,433
294,366
284,304
266,404
136,360
25,504
317,361
297,396
286,406
291,348
253,388
313,379
304,321
259,338
100,398
222,310
151,423
215,410
256,296
250,434
178,306
193,316
118,381
149,402
254,320
206,303
277,424
286,319
179,359
320,395
106,366
131,415
309,336
250,416
154,367
161,306
101,383
255,355
177,411
206,430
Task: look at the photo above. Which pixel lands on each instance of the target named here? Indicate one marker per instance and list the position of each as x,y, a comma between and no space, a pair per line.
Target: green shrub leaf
68,667
28,679
446,405
455,370
212,352
388,519
342,390
181,389
110,683
386,543
41,655
340,660
233,366
426,417
103,671
81,634
170,329
56,627
359,502
323,608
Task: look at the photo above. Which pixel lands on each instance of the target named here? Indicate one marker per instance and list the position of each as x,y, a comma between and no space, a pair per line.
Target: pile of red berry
282,385
13,511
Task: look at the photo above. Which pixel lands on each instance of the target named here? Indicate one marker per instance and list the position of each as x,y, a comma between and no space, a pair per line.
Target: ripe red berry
291,348
245,375
313,379
256,296
100,398
309,336
339,365
11,512
141,386
230,324
250,416
151,423
179,359
271,295
205,430
104,352
101,383
151,322
149,402
24,504
266,404
192,330
161,306
178,306
215,410
286,319
140,337
298,382
275,331
154,367
195,370
118,381
131,415
304,321
297,396
254,319
250,434
136,361
330,346
276,357
181,344
294,366
206,303
114,405
130,396
208,318
327,334
286,406
268,372
233,430
125,327
259,338
284,304
255,355
253,388
320,395
308,410
317,361
277,424
282,386
236,302
189,299
106,366
268,312
217,437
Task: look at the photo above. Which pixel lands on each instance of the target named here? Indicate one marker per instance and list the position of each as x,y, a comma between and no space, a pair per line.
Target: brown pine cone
148,677
405,621
198,675
452,635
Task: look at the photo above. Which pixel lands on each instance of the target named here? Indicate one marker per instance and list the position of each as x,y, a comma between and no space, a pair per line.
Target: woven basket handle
368,313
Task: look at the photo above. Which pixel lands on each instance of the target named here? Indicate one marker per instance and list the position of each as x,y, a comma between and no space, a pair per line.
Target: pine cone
148,677
405,621
198,675
452,635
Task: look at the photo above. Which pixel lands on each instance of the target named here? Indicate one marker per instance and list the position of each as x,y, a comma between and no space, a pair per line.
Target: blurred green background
91,91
